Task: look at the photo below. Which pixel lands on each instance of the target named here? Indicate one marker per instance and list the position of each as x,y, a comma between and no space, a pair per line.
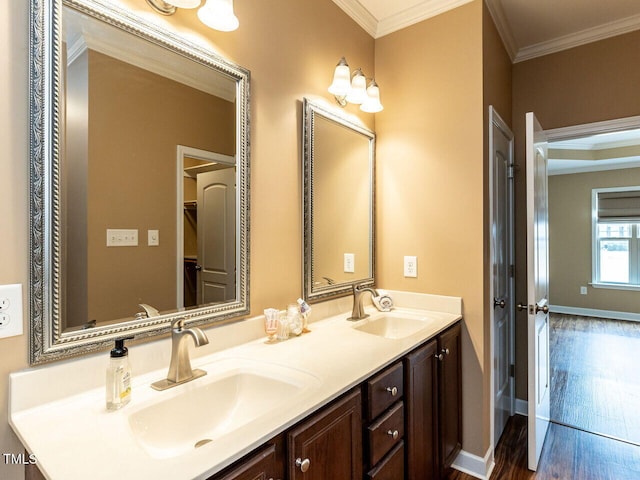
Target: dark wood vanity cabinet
328,445
449,396
433,406
384,424
260,465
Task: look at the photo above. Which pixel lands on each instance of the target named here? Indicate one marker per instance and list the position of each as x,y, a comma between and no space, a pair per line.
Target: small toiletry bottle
118,376
305,311
294,318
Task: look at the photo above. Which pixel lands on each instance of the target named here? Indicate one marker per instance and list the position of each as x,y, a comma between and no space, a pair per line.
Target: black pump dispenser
120,350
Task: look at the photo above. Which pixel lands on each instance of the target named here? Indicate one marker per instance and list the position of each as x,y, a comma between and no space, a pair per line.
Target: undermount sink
233,394
394,325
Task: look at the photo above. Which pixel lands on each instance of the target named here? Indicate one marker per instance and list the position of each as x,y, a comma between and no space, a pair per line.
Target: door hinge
512,371
510,171
512,271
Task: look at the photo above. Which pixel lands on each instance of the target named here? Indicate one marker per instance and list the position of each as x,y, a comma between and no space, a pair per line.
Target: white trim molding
589,35
379,27
522,407
592,312
474,465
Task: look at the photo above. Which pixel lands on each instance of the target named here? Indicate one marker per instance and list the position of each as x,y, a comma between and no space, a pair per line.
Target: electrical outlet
153,238
349,263
583,290
410,266
118,237
10,310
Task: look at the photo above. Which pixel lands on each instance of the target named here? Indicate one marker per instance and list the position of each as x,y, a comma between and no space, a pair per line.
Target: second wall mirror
338,203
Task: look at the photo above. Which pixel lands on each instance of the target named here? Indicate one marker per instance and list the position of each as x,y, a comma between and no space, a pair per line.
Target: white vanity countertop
58,411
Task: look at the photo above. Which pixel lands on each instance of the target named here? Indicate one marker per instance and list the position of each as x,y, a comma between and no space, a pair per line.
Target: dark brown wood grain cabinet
450,396
384,424
328,445
421,405
260,465
433,403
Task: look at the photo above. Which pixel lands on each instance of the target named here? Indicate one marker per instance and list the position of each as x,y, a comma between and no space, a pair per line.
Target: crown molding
416,14
502,25
589,35
360,15
379,28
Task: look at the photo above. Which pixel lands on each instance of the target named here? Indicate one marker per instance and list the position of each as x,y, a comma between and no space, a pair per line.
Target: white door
501,144
537,288
216,236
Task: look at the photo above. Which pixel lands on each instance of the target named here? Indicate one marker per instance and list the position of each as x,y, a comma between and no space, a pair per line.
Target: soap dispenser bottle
118,392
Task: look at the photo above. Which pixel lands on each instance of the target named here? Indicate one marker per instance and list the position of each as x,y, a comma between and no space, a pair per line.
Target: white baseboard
474,465
592,312
522,407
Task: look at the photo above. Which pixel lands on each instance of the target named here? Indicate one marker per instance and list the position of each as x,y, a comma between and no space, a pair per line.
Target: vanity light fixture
350,87
216,14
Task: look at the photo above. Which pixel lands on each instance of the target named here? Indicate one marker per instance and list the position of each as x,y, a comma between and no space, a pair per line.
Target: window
616,237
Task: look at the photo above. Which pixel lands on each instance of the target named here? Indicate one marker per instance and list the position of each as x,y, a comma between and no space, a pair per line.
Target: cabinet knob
439,356
393,433
446,351
392,390
303,464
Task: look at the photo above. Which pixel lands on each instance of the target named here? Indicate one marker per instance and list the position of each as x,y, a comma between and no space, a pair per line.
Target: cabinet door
329,444
259,466
420,373
450,390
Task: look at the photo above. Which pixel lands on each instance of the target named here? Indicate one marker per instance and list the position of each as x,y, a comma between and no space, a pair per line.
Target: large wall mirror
139,179
338,202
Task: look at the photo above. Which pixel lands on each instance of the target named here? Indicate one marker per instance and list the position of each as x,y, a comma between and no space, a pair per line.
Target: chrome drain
202,442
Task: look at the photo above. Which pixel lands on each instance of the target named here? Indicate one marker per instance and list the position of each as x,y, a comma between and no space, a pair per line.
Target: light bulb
218,14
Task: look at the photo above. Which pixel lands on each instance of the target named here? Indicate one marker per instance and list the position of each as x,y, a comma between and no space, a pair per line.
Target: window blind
620,206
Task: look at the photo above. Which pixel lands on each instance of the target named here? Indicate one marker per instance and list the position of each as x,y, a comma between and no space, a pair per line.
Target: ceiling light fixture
216,14
350,87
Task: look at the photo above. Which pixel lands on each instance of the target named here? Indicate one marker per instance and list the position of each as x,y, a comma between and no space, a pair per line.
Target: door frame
183,151
497,121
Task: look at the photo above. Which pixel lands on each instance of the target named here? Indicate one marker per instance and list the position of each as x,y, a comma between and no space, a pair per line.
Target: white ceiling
529,28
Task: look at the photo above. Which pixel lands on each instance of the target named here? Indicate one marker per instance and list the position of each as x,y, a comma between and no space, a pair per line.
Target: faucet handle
178,324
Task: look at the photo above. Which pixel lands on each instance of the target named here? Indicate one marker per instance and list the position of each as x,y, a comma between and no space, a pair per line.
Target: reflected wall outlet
349,262
583,290
10,310
410,266
118,237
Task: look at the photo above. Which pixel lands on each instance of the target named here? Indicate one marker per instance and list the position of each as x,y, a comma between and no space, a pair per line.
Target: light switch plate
349,263
118,237
153,238
10,310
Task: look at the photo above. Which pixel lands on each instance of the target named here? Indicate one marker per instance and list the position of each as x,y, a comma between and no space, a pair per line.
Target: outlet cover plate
10,310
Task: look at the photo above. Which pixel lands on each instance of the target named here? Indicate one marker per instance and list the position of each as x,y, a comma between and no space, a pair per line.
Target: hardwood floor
595,382
595,387
568,454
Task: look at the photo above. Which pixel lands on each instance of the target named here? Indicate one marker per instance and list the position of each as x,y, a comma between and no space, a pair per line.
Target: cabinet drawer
392,467
385,433
383,390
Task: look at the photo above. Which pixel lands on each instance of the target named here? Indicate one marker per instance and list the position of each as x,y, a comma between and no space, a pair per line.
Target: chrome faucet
358,309
180,366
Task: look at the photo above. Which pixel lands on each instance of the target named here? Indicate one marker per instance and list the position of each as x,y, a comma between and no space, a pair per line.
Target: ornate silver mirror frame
338,159
48,339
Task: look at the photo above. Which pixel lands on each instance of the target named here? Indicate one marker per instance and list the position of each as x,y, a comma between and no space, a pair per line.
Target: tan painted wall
570,241
430,180
290,55
591,83
132,184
